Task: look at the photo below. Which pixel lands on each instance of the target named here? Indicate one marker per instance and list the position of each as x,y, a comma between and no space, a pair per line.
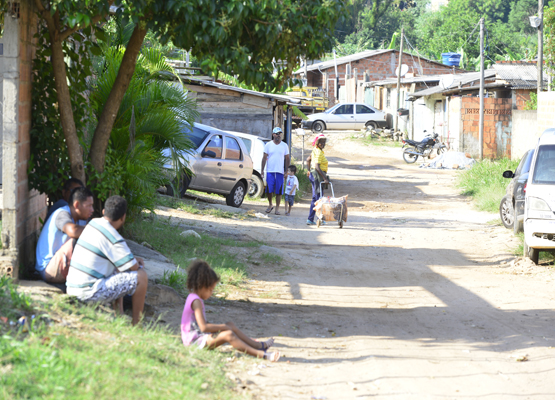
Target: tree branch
106,120
63,95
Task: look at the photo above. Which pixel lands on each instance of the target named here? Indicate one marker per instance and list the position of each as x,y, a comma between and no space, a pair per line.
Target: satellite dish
404,70
446,81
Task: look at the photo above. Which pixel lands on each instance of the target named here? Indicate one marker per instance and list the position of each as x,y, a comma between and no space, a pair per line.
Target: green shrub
485,182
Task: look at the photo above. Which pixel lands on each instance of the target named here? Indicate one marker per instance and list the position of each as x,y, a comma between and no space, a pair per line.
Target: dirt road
415,298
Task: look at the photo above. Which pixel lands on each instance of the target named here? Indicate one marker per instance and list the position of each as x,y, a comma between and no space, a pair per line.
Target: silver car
349,116
220,163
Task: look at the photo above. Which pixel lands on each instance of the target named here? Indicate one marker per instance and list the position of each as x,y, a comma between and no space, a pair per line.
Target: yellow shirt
318,157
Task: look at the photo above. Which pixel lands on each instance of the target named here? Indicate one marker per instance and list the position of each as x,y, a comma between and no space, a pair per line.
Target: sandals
269,210
278,213
272,356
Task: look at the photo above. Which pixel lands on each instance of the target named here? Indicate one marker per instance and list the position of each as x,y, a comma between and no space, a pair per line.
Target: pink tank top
190,330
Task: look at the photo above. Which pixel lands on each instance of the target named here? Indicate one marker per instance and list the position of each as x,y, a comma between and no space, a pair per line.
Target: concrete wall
424,115
497,127
454,123
21,208
546,112
376,68
524,135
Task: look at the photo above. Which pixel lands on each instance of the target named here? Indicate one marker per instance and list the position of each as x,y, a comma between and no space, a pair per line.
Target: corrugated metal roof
218,85
459,80
518,75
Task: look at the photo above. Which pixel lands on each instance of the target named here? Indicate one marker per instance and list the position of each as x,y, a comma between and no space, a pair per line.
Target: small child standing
201,281
291,185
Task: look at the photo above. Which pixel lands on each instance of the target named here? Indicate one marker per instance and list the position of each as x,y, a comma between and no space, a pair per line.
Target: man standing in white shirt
276,156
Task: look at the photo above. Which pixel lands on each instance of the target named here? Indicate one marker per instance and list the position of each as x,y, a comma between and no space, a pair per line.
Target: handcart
331,208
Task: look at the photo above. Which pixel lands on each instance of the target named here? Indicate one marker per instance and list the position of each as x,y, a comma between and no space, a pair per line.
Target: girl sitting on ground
201,281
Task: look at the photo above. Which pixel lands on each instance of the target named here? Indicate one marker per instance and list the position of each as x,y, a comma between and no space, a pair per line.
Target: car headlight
538,208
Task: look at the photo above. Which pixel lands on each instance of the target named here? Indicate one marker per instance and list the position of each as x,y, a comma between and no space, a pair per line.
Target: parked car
255,147
346,117
539,216
220,163
511,208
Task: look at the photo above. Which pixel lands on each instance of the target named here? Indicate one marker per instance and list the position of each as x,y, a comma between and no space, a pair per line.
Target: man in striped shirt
102,268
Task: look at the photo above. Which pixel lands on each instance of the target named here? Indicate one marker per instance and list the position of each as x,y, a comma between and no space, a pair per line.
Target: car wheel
318,127
237,195
408,157
532,254
371,125
257,186
506,211
183,185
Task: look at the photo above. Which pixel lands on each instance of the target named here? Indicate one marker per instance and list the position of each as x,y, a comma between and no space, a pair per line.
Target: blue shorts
274,182
290,199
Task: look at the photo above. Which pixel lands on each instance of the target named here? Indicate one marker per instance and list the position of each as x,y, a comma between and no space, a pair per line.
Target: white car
255,147
539,216
350,116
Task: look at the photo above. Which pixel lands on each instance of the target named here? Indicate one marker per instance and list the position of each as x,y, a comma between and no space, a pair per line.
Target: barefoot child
201,280
291,186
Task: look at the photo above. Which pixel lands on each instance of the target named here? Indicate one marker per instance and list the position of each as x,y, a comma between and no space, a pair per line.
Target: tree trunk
65,107
110,110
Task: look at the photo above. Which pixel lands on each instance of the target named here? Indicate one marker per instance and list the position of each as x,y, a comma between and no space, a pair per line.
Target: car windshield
544,170
196,136
332,109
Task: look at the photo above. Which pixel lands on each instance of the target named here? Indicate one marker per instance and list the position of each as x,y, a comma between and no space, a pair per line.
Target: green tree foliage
451,28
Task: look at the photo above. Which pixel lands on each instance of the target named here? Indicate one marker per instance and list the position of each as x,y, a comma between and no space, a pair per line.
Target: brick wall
497,127
378,67
520,97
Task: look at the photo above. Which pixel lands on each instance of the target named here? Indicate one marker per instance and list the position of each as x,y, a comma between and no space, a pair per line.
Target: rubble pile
451,160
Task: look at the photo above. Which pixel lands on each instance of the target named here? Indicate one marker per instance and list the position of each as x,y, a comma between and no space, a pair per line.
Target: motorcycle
412,149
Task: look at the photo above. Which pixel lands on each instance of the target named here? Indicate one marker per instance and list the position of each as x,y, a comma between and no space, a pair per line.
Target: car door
342,117
232,168
207,176
363,115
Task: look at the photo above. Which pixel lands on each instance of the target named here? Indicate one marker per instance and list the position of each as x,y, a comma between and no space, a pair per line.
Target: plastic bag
331,208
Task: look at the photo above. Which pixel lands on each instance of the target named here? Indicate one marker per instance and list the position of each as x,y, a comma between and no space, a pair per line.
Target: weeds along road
413,299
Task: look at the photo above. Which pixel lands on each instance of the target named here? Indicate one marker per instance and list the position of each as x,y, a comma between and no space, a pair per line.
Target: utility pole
481,127
396,126
540,47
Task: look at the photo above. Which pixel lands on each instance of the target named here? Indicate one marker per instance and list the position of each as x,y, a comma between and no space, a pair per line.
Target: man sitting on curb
55,244
69,185
103,269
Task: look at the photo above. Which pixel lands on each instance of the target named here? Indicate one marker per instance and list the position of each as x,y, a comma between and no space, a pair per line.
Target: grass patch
304,183
485,182
85,353
193,207
271,258
181,250
376,141
12,303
